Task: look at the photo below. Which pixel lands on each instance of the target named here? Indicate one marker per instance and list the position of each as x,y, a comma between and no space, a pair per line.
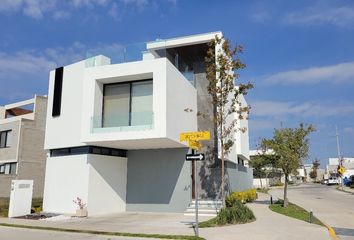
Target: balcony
135,121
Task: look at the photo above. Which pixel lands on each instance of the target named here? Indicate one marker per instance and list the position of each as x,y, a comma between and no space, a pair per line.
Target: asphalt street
333,207
7,233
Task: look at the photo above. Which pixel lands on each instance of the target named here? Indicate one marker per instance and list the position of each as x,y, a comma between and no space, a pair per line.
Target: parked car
332,181
324,181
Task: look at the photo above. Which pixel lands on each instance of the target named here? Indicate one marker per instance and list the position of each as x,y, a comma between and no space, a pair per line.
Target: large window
5,138
127,104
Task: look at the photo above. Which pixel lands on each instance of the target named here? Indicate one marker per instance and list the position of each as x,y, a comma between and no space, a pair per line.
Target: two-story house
22,154
113,131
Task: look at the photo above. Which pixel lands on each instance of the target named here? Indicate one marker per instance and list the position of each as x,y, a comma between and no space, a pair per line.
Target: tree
222,62
291,145
315,164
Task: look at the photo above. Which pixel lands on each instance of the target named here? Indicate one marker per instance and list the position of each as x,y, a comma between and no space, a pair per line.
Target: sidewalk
269,225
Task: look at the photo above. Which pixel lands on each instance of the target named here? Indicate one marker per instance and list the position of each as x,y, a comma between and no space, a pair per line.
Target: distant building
22,154
333,163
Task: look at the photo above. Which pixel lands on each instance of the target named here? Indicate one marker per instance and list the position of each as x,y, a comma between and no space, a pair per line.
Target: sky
299,54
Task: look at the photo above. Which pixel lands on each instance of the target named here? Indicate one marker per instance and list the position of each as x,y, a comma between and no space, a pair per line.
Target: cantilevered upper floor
141,97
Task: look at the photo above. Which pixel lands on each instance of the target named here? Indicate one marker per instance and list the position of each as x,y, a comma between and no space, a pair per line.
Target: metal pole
196,197
340,160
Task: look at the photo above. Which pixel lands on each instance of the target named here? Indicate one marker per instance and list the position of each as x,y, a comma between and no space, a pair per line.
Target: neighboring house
275,176
22,154
333,163
113,131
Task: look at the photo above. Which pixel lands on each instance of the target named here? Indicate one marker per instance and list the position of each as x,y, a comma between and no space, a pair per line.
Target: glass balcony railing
120,122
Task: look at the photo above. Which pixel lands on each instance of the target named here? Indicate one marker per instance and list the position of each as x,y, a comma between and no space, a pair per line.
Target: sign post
196,197
193,139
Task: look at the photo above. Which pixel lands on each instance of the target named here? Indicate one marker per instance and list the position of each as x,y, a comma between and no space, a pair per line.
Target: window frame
8,166
130,95
5,144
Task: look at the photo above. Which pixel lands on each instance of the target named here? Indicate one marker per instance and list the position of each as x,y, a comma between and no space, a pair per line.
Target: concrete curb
331,232
103,233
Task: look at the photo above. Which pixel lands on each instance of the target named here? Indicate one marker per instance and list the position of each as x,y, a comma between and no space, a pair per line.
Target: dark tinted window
58,84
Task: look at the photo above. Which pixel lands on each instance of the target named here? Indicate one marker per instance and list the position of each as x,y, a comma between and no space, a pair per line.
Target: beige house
22,155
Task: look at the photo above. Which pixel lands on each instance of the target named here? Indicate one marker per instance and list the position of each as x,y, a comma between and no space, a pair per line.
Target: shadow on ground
344,231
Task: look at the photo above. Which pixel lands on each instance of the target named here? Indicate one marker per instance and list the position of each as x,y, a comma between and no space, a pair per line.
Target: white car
332,181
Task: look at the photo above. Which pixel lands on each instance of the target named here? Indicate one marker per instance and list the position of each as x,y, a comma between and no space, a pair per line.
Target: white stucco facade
90,160
100,181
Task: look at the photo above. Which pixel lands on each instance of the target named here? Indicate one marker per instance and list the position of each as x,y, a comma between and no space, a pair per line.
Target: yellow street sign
195,145
194,136
341,170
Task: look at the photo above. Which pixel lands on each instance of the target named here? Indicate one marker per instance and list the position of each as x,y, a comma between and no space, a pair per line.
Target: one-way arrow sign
197,156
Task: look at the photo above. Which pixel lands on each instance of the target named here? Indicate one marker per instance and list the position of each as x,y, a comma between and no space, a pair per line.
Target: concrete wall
64,130
5,185
10,154
67,177
107,184
158,180
257,182
238,177
31,155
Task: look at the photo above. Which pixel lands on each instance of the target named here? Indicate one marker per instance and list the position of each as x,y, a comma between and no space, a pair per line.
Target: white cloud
307,109
25,72
349,129
59,15
260,16
114,11
31,8
339,73
342,16
57,9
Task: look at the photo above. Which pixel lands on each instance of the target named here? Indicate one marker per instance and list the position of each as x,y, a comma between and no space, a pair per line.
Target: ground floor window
8,168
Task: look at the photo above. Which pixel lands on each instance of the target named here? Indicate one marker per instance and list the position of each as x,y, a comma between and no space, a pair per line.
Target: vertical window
141,103
8,138
116,105
13,168
58,84
7,168
127,104
2,169
5,139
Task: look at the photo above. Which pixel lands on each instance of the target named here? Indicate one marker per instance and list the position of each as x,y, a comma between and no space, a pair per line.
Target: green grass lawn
294,211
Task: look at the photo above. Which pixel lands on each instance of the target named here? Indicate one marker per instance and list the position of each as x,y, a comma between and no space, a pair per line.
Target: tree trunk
286,203
222,175
260,180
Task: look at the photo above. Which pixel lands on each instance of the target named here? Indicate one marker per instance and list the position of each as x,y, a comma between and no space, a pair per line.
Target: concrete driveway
333,207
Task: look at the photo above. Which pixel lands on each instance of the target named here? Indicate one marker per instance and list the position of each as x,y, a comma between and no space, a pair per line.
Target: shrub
245,196
238,213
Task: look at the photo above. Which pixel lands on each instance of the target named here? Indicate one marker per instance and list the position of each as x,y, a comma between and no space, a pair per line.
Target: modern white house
22,154
113,131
